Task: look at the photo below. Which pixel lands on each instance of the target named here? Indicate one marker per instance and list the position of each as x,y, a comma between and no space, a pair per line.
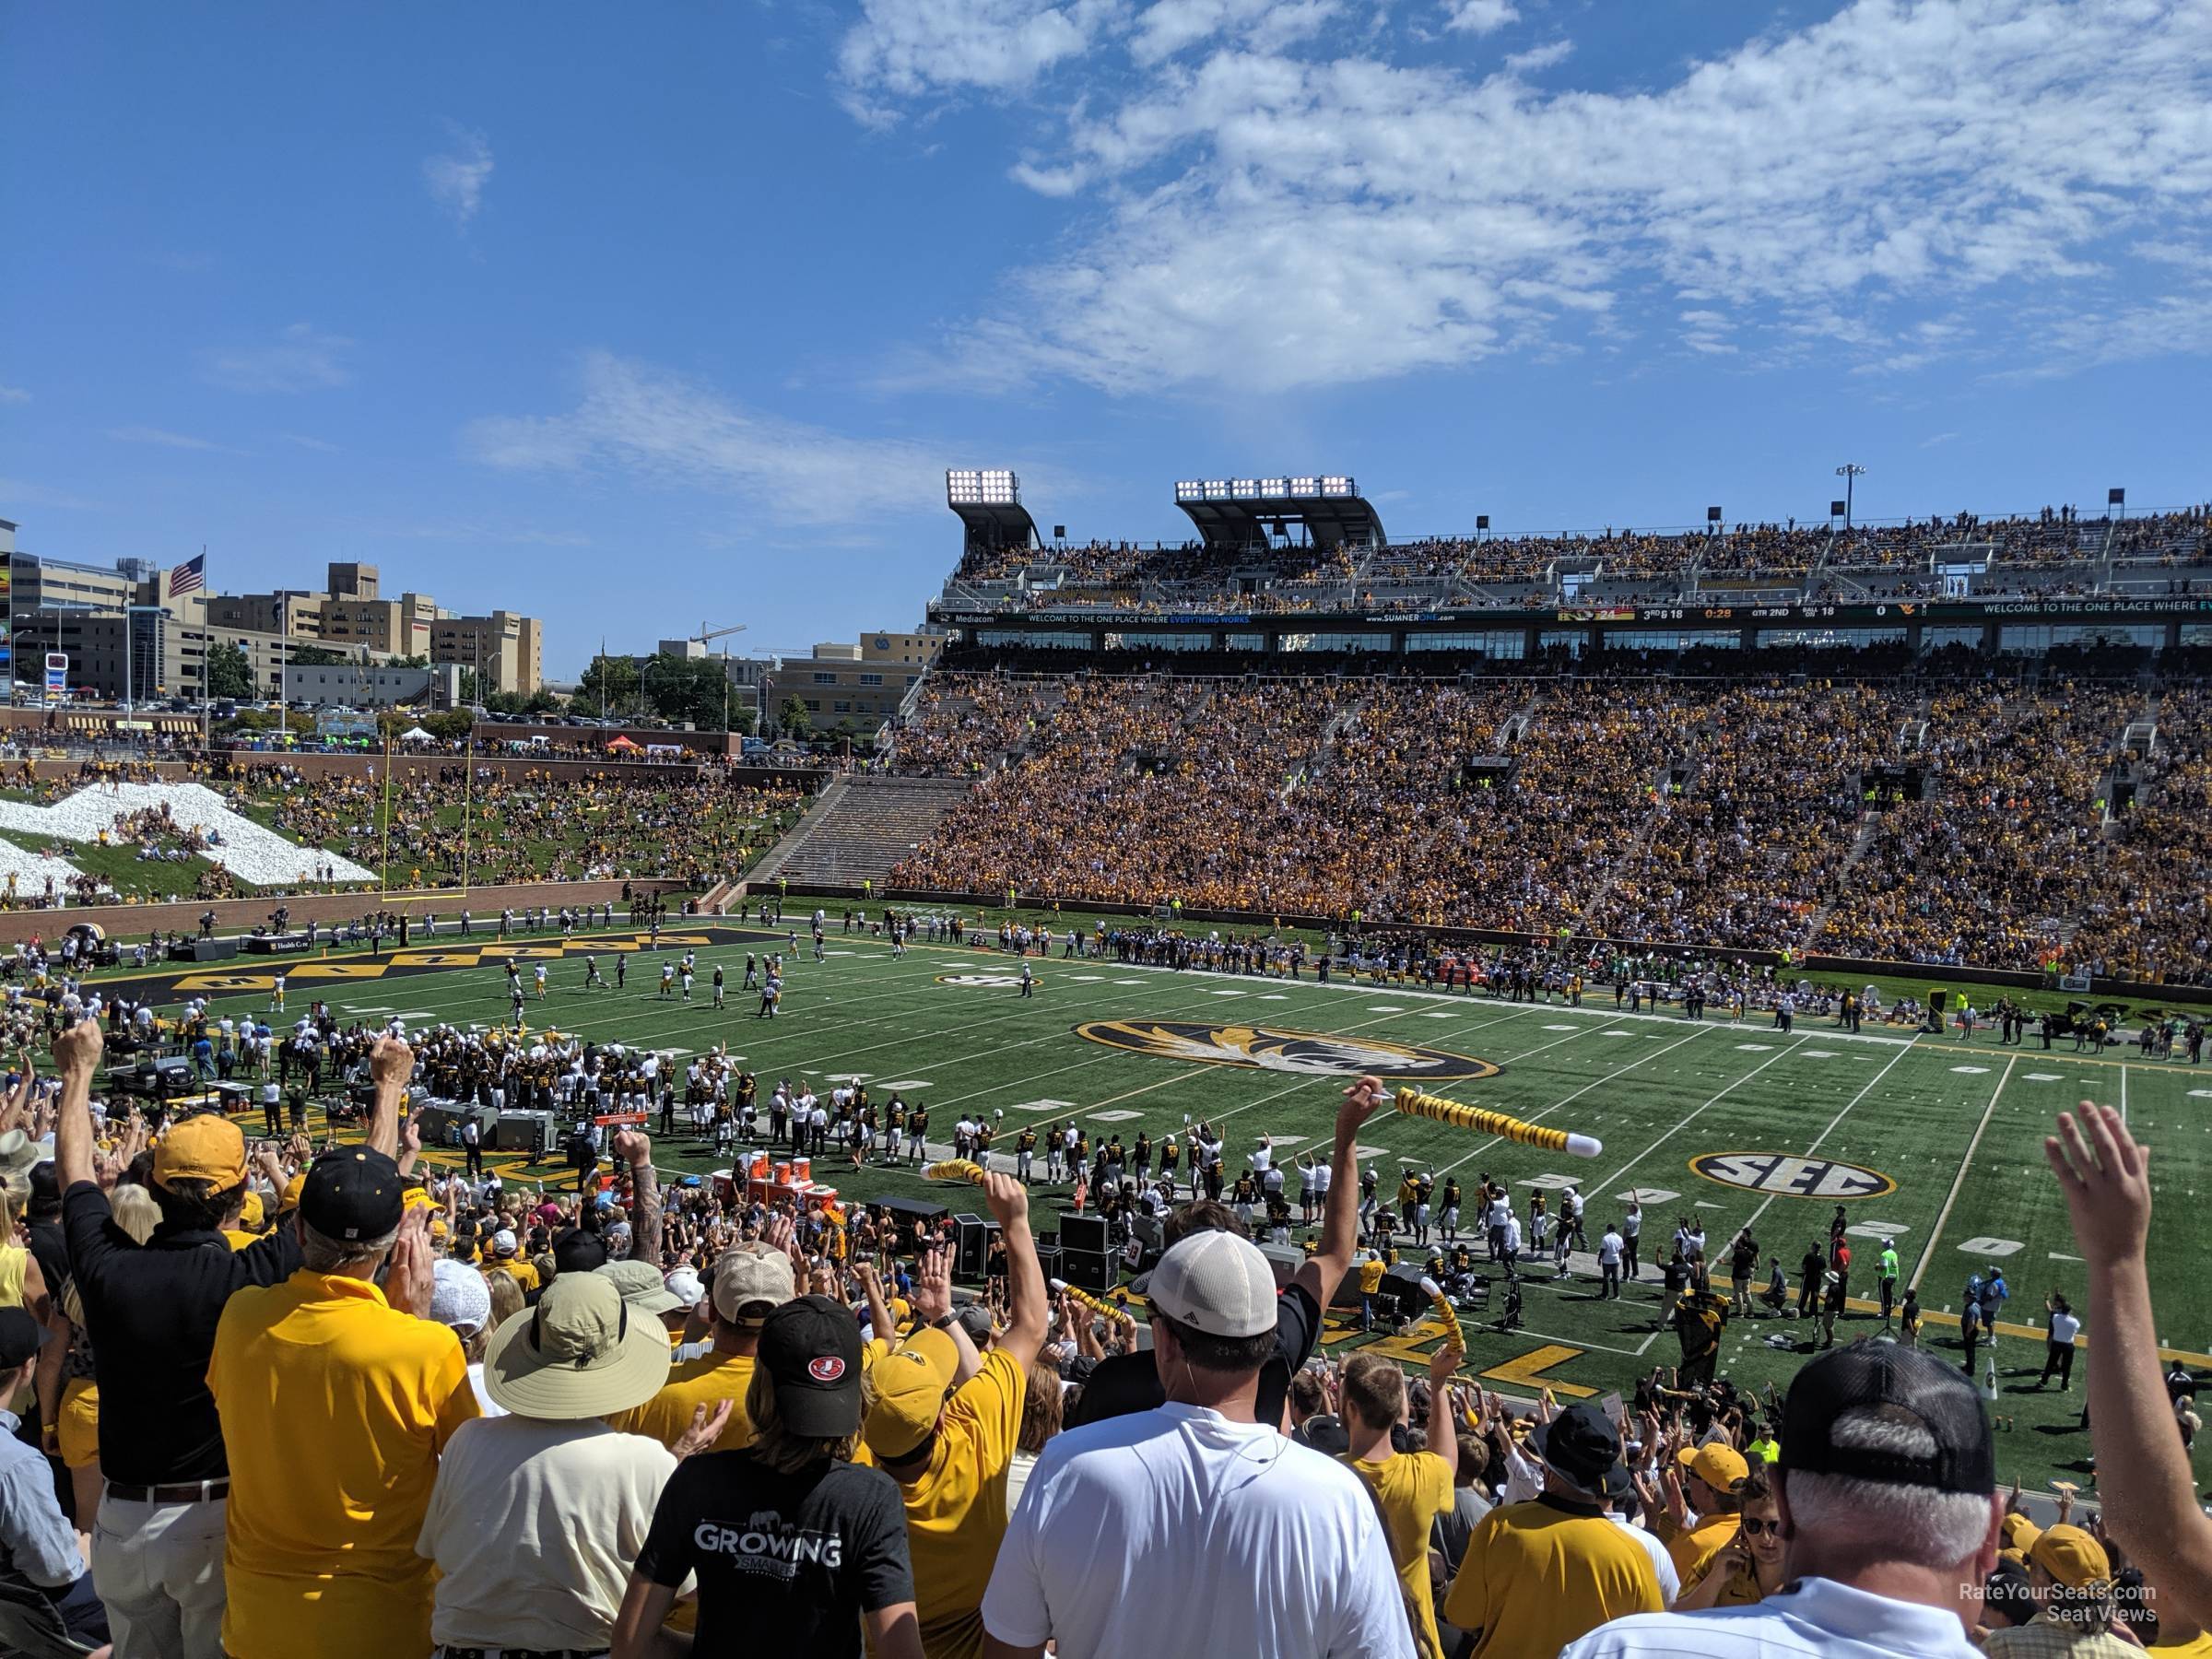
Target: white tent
415,734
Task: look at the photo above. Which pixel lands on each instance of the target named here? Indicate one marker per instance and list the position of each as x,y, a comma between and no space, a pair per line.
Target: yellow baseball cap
201,1147
2071,1556
1720,1467
293,1189
252,1214
911,1383
2018,1534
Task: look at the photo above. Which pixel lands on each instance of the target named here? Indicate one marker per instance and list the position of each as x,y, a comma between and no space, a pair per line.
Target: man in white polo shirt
1192,1529
1889,1520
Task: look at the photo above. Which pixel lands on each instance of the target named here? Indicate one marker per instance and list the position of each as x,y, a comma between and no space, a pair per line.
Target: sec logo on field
1787,1176
989,982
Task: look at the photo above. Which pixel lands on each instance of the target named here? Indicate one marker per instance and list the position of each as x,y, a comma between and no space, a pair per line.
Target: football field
1930,1141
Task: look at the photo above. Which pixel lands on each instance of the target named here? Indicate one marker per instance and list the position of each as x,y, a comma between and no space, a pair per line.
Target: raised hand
706,1428
2105,1175
76,1050
633,1146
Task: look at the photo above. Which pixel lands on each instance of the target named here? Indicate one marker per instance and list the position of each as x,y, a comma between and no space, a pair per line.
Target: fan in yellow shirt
1748,1568
334,1405
750,1283
1411,1487
1536,1576
949,1447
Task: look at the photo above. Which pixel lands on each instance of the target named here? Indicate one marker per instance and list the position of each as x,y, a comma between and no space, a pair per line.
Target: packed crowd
505,825
1191,577
327,1400
1932,821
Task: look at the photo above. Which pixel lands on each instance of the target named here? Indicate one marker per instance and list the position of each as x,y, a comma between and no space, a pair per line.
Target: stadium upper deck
1266,555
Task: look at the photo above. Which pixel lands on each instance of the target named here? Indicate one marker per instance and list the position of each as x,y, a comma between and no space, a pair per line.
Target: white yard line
1959,1181
1832,1125
1606,1185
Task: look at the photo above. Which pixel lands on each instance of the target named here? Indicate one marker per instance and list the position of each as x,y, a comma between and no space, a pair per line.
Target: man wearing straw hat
536,1515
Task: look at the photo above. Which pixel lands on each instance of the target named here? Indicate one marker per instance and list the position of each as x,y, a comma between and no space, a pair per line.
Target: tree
609,687
797,721
229,673
691,689
315,656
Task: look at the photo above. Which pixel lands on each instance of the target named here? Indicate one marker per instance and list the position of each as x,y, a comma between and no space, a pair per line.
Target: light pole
1849,472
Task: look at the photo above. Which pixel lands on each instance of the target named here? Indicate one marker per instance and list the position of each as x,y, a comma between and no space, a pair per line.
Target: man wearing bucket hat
337,1398
1891,1521
152,1310
536,1515
796,1550
1195,1527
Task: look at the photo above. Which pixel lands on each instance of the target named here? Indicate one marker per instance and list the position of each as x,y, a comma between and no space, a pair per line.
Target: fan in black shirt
796,1548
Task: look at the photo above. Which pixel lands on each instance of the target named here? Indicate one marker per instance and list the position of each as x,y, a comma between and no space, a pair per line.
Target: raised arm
2143,1473
1325,1270
1444,1421
634,1147
1024,1334
77,1056
391,1065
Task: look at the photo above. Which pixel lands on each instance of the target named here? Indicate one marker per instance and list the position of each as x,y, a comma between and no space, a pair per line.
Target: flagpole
468,798
383,870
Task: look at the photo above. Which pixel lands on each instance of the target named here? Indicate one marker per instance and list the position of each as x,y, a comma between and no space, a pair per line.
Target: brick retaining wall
129,922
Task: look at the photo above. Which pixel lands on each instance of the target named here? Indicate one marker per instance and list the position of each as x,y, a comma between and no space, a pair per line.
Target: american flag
188,577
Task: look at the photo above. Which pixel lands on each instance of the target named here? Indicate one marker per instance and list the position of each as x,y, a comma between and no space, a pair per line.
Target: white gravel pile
249,852
30,869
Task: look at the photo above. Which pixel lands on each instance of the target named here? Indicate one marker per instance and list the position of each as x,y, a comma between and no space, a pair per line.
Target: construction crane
707,632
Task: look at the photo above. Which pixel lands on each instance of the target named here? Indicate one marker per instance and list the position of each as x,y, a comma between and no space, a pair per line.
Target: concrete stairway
858,829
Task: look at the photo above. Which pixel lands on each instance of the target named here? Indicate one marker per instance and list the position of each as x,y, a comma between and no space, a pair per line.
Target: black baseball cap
20,1337
1580,1445
810,1349
1905,1385
576,1251
352,1192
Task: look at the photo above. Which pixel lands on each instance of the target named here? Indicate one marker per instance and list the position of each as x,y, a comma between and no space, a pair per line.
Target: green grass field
1955,1127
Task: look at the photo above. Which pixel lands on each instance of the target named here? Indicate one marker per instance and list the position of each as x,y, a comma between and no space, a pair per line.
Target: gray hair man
1889,1516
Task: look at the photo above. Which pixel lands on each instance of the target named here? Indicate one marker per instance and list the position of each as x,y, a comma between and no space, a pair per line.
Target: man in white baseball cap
1194,1528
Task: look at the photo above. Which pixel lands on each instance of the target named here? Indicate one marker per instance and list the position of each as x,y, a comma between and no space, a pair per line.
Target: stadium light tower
1850,472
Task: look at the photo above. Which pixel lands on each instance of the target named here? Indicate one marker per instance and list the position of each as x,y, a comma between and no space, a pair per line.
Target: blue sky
646,316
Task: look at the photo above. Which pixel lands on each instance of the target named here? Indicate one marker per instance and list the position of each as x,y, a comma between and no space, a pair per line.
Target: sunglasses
1753,1526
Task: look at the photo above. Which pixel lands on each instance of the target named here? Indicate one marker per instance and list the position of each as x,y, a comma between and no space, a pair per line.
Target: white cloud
1548,56
159,438
675,431
904,49
1938,440
1273,218
456,179
301,358
14,395
319,445
1480,17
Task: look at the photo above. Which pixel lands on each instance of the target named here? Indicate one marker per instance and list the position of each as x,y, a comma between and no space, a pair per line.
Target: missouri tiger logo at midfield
1788,1176
1268,1048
